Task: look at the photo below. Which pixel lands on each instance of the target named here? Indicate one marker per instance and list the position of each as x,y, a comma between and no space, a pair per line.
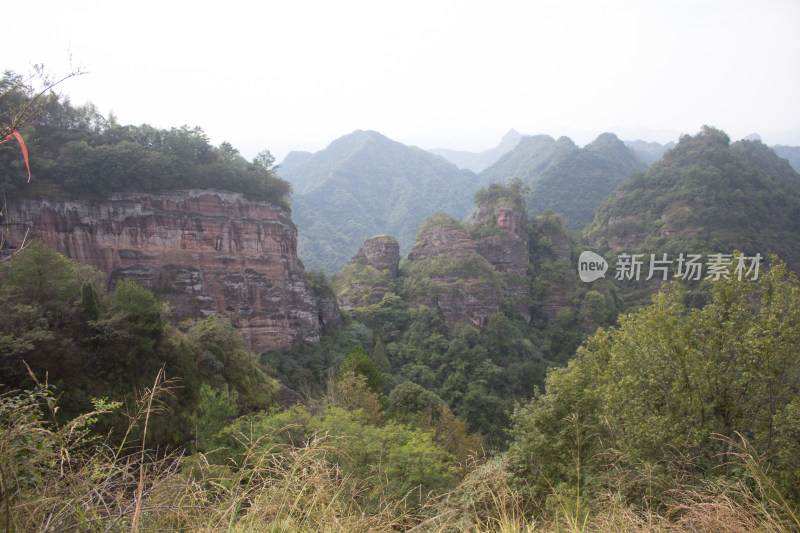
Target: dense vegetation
706,196
61,325
478,372
75,151
674,398
677,420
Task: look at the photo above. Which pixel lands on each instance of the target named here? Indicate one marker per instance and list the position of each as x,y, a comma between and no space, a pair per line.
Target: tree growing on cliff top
23,98
498,194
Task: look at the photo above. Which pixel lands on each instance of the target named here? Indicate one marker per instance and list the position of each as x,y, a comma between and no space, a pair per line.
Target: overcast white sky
294,75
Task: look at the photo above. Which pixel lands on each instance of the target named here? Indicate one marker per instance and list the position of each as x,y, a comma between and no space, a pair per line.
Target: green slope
563,177
365,184
706,196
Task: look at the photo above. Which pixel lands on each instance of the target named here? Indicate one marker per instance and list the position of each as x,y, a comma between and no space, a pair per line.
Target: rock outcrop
464,281
382,252
205,252
440,240
369,275
506,250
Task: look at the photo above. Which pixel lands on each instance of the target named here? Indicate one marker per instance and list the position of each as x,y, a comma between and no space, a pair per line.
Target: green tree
410,399
380,358
359,362
224,358
216,407
670,390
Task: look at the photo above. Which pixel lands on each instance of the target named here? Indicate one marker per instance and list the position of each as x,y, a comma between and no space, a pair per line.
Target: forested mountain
365,184
475,314
706,196
649,152
478,161
563,177
790,153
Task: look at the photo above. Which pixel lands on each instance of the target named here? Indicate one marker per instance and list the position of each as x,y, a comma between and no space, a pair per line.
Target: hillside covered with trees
74,151
416,323
474,383
364,184
563,177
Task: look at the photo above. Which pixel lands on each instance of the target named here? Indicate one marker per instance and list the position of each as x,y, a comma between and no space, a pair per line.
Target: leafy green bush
670,392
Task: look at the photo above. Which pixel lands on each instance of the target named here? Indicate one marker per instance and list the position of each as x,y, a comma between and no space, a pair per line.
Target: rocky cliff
506,249
465,271
369,275
382,252
464,286
205,252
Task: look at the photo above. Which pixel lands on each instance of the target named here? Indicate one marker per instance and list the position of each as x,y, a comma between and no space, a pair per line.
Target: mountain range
563,177
707,193
478,161
365,184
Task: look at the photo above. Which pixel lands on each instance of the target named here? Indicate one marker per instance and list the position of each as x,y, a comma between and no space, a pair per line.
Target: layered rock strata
205,252
507,251
466,288
381,253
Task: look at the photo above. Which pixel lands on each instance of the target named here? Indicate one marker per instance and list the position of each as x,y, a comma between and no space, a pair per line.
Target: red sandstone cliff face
382,252
366,286
507,251
466,290
205,252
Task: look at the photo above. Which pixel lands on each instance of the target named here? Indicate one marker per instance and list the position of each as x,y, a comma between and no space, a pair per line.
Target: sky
295,74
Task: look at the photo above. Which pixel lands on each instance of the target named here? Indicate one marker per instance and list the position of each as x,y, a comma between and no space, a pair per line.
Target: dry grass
54,480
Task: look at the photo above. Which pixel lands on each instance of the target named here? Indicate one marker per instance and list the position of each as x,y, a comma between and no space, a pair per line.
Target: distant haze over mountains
479,161
365,184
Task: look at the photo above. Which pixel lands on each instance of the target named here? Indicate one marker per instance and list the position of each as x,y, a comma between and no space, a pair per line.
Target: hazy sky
294,75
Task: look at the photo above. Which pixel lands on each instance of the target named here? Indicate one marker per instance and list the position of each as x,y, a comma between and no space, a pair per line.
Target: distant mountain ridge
563,177
790,153
477,162
649,152
365,184
707,195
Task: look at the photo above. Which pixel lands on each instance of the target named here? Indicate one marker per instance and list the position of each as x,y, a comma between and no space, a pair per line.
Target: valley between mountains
391,335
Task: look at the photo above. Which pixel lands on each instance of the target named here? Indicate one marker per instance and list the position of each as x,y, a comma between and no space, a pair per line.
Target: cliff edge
203,251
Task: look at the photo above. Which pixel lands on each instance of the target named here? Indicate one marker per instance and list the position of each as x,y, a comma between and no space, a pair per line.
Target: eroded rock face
442,241
382,252
205,252
464,294
507,251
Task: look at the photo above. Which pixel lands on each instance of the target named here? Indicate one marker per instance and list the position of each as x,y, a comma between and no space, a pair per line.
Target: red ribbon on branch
15,134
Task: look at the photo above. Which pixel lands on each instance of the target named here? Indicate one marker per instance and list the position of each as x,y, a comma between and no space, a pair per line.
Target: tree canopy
76,152
674,391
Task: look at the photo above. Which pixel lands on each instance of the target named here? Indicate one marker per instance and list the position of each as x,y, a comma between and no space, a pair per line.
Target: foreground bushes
674,398
58,478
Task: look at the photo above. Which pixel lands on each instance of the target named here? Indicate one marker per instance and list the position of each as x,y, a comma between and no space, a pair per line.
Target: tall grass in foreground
55,478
